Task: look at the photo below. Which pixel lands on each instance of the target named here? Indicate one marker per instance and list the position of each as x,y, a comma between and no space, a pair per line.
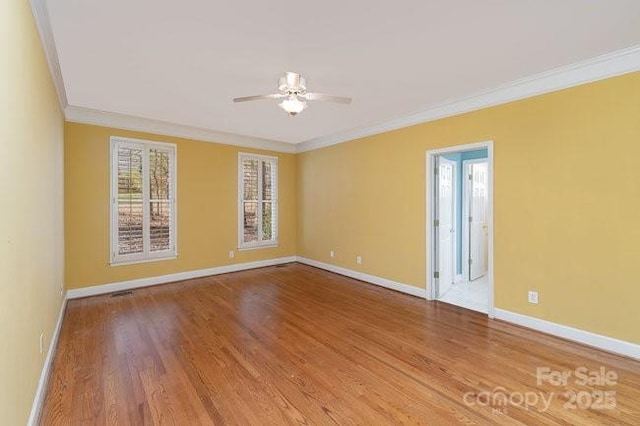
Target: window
143,200
257,200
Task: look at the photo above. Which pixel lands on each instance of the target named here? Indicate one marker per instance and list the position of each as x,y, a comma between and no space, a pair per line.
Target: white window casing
257,201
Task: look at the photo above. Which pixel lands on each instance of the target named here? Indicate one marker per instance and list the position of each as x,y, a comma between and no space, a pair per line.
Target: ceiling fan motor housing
292,82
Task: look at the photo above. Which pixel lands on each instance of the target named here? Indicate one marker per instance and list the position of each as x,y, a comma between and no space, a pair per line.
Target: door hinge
436,223
435,170
470,219
470,177
470,261
436,274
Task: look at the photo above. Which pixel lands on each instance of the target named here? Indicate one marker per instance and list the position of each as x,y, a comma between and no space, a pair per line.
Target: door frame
465,213
431,214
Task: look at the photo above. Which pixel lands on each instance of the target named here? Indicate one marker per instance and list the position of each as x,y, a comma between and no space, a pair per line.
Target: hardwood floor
298,345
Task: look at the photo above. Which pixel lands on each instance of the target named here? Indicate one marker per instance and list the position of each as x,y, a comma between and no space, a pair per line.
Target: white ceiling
183,61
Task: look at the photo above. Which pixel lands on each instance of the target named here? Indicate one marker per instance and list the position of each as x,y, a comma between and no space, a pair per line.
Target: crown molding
129,122
43,24
610,65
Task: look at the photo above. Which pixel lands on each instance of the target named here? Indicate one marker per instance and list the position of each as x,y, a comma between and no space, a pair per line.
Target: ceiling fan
293,92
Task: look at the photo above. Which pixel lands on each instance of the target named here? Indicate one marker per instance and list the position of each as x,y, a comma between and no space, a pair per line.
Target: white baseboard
382,282
163,279
38,400
586,337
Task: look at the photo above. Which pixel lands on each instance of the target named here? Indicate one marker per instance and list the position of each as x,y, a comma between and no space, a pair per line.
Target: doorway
459,226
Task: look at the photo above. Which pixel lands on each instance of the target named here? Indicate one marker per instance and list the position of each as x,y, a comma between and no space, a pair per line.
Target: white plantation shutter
129,200
160,205
269,223
249,207
258,200
143,204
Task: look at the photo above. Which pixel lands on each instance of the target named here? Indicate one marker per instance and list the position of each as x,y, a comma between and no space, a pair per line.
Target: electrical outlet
232,254
41,342
332,254
533,297
359,260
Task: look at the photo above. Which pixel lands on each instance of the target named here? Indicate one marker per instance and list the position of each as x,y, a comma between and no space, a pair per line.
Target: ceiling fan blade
327,98
259,97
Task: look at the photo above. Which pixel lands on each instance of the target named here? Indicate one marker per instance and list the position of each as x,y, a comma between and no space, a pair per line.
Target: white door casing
431,237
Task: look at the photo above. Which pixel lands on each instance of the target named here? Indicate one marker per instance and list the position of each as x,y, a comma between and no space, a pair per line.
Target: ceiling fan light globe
293,105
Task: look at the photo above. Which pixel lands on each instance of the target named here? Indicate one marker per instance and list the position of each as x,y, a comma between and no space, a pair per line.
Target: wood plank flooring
298,345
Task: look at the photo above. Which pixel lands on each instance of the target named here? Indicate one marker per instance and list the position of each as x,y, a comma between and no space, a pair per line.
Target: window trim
274,242
146,256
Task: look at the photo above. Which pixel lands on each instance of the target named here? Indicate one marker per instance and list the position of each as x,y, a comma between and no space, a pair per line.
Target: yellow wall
566,207
31,223
567,202
207,207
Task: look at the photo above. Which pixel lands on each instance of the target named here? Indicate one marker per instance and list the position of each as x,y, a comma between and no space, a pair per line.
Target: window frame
116,259
274,241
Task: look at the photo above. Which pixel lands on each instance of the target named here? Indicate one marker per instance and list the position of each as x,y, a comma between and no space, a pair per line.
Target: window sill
135,262
258,246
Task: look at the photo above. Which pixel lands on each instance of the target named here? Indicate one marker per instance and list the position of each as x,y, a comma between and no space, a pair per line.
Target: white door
478,225
446,226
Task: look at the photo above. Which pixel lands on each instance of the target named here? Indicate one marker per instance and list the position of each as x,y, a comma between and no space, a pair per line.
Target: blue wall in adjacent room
459,157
